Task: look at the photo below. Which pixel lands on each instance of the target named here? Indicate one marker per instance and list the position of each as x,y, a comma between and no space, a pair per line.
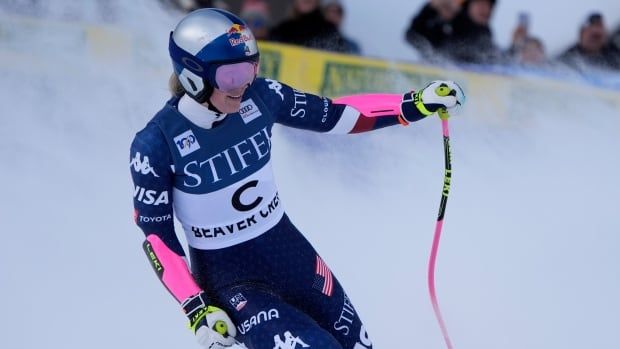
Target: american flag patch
238,301
323,279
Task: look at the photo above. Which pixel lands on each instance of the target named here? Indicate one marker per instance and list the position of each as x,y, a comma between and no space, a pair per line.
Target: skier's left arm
358,113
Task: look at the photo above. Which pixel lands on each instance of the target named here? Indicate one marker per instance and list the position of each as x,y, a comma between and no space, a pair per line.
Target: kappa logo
186,143
289,342
249,111
276,86
142,165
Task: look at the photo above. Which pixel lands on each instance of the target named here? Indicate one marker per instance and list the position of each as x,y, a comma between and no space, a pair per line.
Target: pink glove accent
176,275
373,104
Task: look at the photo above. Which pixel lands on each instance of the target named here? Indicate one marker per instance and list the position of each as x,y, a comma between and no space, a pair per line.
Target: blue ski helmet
204,40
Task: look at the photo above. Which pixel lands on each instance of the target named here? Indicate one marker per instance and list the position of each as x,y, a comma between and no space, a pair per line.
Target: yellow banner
334,75
496,97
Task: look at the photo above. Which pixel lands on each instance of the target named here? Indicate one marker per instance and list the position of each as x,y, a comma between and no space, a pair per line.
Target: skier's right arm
150,162
151,171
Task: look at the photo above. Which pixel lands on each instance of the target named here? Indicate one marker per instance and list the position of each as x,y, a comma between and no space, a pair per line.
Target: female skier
205,157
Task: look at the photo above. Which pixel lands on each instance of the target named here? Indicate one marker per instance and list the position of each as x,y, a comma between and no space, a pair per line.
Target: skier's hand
213,328
439,95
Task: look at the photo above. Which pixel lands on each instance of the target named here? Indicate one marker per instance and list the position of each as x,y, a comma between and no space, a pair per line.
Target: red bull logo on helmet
238,34
235,29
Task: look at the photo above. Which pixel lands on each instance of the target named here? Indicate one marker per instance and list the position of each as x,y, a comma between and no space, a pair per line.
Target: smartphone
524,19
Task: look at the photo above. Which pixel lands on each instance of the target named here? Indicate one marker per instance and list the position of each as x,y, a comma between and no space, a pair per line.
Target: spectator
333,11
594,48
472,39
307,27
526,50
531,53
520,33
257,16
432,26
615,38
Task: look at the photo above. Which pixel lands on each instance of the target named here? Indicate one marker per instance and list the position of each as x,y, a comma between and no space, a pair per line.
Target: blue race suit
245,253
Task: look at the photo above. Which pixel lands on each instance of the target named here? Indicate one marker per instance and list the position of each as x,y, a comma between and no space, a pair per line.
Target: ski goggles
231,77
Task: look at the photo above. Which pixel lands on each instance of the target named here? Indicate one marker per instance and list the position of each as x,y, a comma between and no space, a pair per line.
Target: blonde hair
174,85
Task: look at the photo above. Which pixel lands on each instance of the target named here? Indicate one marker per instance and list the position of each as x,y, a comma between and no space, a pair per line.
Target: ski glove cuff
212,326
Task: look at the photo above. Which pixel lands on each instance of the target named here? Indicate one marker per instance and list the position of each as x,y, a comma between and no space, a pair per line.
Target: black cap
593,18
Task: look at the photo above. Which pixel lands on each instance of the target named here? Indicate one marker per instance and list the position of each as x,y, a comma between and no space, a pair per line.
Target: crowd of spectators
456,31
314,24
593,48
309,23
459,31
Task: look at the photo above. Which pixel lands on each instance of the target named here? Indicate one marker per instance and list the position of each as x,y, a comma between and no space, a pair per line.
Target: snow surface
529,256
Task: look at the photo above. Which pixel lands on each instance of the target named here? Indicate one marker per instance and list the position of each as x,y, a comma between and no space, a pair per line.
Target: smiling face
227,102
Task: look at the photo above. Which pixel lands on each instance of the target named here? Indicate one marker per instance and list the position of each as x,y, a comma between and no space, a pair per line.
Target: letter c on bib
236,198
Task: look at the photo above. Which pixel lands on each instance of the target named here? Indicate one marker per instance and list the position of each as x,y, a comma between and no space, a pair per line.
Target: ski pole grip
443,114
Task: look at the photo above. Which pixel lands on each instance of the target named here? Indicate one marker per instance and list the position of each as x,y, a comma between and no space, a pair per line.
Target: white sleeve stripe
347,121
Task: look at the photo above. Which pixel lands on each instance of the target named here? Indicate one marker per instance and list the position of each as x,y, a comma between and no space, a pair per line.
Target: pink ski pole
443,114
